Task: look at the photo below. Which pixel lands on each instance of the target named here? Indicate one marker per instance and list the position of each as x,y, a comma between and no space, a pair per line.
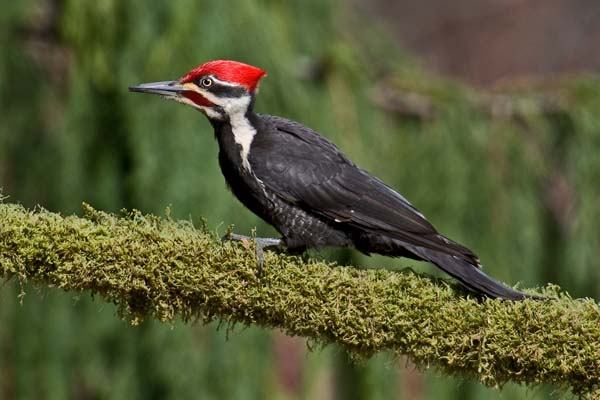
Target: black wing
308,170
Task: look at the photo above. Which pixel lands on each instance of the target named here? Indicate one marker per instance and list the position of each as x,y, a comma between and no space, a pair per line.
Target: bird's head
218,88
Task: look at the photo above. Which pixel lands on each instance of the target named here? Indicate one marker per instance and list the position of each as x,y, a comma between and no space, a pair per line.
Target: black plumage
299,182
304,186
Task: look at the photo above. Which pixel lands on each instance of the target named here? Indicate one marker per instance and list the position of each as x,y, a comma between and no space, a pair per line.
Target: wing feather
305,168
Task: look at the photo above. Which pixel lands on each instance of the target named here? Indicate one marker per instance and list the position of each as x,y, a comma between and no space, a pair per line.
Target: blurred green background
514,173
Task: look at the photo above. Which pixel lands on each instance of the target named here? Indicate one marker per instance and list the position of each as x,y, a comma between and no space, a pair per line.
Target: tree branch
152,267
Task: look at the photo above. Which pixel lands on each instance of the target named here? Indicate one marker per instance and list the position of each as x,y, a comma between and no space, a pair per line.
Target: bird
299,182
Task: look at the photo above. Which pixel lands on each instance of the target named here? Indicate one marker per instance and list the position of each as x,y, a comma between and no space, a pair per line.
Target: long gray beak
165,88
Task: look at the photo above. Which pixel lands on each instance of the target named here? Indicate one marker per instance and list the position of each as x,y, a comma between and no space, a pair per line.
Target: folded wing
333,187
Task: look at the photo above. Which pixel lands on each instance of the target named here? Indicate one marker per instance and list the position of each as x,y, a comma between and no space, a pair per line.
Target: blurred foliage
510,176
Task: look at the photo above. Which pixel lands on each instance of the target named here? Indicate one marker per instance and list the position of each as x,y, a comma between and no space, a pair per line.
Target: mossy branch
152,267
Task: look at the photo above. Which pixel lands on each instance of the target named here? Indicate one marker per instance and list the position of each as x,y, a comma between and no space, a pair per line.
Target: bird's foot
261,245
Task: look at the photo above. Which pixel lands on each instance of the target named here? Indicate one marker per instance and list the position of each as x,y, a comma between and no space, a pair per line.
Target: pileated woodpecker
302,184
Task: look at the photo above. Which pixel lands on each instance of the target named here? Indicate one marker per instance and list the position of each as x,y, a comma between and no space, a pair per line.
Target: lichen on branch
153,267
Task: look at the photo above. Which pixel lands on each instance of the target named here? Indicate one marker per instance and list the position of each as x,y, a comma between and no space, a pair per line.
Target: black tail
471,277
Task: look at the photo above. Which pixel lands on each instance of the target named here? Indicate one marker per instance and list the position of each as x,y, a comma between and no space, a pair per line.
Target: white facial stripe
184,100
197,89
210,113
235,108
231,105
206,110
243,131
223,83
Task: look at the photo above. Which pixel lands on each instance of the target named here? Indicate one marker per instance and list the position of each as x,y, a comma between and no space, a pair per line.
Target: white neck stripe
236,108
243,131
243,134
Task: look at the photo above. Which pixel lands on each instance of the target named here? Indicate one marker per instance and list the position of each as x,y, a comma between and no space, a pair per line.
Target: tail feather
470,276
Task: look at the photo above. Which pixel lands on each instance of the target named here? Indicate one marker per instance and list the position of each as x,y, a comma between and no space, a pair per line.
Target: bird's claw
236,238
261,245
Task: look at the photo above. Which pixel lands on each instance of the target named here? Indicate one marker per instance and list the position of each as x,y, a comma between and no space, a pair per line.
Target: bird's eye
206,82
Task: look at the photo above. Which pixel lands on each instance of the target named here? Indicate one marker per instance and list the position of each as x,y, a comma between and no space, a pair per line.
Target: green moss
157,268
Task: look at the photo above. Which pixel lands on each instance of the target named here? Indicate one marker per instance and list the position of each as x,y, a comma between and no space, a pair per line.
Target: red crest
229,71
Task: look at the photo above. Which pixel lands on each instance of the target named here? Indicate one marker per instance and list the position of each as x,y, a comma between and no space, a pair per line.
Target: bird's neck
235,135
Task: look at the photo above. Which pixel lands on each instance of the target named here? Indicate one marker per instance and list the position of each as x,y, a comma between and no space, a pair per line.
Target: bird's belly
300,229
